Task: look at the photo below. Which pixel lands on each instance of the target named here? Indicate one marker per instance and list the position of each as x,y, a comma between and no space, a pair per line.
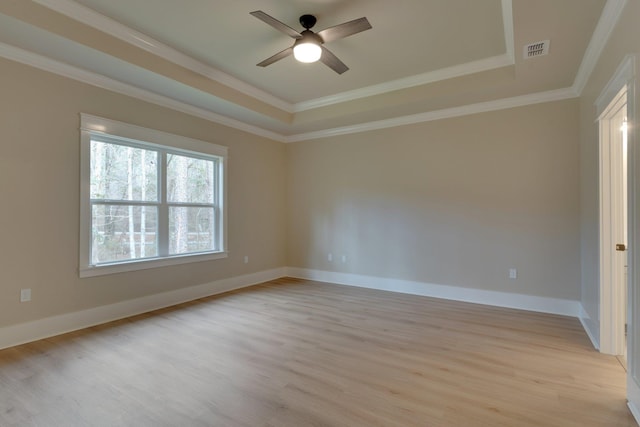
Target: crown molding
407,82
607,22
482,107
107,25
47,64
624,75
431,77
507,21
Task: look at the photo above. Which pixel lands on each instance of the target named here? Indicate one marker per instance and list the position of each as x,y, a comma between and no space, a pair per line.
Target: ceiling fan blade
276,24
332,61
344,30
277,57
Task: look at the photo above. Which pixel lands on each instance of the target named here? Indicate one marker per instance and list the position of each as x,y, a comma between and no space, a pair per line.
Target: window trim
94,125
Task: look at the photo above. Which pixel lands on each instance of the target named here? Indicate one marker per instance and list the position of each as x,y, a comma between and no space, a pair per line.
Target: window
148,198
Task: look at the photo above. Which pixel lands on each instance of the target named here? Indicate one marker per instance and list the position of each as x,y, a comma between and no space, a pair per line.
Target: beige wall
453,202
39,189
624,40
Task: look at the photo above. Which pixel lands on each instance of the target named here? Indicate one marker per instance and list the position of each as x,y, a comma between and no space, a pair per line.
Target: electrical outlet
513,273
25,295
329,257
246,259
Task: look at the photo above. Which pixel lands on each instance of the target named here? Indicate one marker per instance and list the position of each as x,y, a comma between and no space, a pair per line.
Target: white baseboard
590,327
43,328
38,329
479,296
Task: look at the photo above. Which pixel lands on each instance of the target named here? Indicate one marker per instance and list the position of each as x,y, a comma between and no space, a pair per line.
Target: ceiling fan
308,46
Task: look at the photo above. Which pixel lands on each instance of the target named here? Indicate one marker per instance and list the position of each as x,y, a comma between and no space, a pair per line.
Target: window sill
134,265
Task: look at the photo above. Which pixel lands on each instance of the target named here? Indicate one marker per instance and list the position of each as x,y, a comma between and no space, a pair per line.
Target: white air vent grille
536,49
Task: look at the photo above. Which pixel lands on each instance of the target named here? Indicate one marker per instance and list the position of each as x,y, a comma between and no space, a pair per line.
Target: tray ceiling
420,59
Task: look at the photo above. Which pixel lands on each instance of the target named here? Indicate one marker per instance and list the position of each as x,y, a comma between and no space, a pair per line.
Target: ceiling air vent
536,49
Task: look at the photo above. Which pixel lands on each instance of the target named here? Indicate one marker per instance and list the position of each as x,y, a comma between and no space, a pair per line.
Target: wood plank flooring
297,353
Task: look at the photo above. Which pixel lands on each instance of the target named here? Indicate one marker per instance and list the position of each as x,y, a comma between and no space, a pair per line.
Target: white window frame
92,125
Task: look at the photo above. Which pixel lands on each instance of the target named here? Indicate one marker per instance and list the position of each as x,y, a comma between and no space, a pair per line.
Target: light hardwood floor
297,353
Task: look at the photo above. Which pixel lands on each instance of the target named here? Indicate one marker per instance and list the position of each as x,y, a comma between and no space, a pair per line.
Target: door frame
612,282
625,75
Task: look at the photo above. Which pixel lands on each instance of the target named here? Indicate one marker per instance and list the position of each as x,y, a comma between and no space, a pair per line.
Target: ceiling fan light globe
307,52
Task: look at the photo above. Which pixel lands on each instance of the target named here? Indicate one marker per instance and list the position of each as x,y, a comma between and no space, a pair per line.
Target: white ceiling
223,34
421,59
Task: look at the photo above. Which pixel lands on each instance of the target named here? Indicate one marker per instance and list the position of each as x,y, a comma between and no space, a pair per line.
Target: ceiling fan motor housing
307,21
309,37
